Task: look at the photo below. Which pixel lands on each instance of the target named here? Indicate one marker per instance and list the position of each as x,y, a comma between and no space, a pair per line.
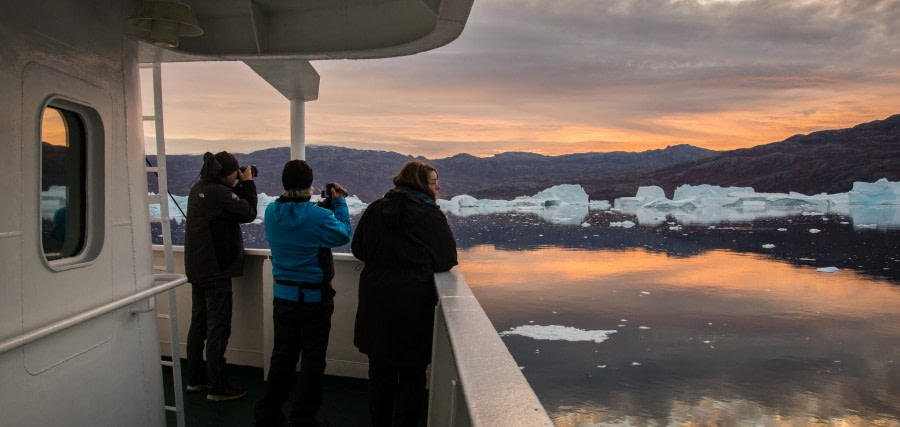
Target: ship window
63,182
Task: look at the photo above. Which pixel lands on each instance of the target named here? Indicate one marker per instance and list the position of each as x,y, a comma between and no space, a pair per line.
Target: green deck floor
344,401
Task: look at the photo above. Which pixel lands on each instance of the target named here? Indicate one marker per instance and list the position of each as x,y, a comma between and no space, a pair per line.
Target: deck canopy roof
312,29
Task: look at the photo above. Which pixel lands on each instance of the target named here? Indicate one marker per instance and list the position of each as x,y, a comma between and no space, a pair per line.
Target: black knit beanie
297,175
228,162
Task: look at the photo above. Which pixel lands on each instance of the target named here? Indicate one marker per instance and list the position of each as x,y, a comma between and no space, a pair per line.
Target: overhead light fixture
167,20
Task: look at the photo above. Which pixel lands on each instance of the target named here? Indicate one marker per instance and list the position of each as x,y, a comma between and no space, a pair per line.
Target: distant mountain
368,174
827,161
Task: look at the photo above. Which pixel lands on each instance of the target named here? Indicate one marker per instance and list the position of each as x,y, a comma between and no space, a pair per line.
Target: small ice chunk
829,270
623,224
782,229
558,333
601,366
635,363
585,224
645,293
768,246
643,327
814,230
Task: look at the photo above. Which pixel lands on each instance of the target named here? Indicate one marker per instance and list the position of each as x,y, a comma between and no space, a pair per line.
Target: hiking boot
219,394
194,388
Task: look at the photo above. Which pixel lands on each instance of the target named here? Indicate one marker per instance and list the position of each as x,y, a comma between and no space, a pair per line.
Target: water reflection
836,242
719,338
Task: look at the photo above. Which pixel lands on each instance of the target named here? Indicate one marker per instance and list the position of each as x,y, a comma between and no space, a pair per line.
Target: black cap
228,162
297,175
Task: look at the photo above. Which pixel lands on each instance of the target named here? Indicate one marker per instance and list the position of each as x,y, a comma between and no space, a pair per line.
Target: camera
253,170
325,202
326,193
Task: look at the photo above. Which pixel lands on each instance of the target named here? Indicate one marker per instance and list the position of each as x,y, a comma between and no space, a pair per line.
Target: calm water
711,328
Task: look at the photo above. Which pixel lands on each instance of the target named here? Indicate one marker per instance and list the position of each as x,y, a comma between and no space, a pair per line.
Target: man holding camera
222,199
301,235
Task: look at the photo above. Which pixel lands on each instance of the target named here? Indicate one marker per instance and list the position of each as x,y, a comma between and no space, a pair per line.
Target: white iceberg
561,204
881,192
558,333
868,203
178,206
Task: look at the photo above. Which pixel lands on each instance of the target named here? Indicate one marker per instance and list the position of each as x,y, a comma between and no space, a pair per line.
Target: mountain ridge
823,161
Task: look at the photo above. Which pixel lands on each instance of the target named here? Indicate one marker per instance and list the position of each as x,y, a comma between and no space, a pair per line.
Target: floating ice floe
560,204
178,206
768,246
814,230
829,270
623,224
706,204
875,203
558,333
881,192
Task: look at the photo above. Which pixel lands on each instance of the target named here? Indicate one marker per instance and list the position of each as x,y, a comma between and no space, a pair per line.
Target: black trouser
301,332
210,322
396,393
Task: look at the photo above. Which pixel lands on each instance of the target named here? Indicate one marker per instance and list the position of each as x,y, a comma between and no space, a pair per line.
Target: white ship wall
105,371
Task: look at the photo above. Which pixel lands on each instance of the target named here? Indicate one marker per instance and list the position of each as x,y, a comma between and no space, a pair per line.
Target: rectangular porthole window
63,181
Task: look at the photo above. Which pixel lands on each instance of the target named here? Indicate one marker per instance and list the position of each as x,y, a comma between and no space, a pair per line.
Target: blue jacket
296,230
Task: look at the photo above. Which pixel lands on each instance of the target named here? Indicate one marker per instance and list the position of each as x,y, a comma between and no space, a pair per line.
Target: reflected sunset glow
781,286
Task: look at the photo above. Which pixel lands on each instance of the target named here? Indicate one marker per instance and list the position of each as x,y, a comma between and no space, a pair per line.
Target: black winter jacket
213,244
403,242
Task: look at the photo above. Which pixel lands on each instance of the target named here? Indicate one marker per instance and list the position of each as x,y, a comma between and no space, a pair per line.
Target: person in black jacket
404,239
222,199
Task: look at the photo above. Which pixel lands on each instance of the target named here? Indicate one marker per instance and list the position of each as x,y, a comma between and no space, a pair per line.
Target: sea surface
709,323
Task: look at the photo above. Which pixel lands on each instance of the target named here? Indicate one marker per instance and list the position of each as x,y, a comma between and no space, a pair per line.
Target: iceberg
868,203
881,192
178,204
561,204
644,196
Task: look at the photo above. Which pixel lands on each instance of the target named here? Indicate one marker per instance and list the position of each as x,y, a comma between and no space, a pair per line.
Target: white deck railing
474,379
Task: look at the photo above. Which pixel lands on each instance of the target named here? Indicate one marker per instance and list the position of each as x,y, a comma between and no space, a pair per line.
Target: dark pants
395,394
210,322
301,332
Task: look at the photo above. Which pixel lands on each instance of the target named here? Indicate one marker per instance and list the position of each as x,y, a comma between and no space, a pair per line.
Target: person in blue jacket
301,235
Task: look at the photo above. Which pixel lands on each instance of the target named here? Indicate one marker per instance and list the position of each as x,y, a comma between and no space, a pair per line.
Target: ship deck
344,403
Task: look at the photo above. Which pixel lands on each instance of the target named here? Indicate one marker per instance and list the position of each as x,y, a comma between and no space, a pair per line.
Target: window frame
91,181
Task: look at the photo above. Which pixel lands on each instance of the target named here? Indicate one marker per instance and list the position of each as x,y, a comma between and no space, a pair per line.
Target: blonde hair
298,194
415,174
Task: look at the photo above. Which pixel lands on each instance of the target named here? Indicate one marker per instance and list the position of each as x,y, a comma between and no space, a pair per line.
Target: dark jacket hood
402,209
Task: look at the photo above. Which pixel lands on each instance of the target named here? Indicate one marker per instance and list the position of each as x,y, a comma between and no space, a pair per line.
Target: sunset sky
574,76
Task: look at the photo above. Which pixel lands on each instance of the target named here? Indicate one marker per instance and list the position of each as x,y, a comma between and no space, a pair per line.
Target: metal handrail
474,379
174,280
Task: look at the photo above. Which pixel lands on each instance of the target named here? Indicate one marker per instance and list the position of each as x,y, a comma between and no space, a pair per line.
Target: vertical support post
161,164
167,239
298,132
